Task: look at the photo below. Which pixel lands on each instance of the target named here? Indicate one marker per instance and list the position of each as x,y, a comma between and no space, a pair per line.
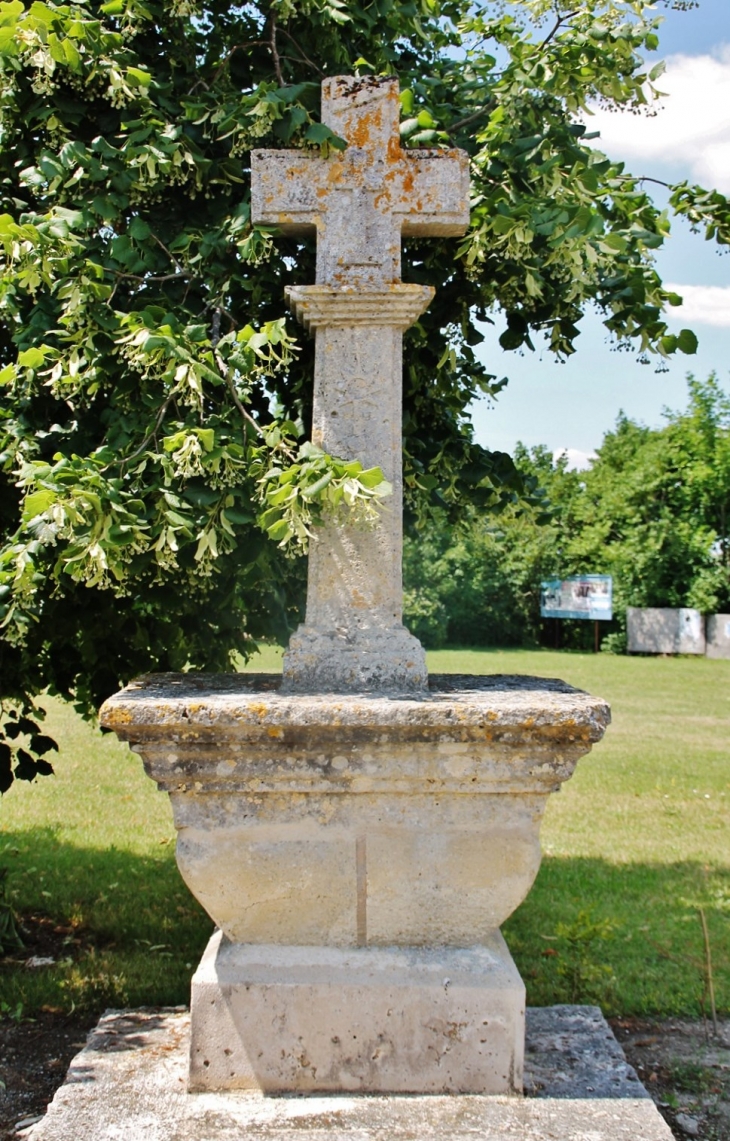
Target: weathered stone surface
357,820
504,708
353,638
129,1084
359,202
365,1019
571,1052
321,306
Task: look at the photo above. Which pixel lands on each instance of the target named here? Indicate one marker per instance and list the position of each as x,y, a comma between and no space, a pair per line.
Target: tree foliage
155,474
653,511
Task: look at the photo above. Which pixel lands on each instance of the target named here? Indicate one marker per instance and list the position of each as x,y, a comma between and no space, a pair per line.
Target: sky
568,406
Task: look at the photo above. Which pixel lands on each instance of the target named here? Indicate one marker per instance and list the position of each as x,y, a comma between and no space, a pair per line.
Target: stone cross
359,203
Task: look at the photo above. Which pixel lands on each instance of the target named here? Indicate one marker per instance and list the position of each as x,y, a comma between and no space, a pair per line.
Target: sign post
582,596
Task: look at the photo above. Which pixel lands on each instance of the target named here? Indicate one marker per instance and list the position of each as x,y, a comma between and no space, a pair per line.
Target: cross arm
434,199
284,186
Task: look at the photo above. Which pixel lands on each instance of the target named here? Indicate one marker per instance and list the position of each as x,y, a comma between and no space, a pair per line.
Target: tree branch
471,118
305,58
222,309
180,270
185,274
215,328
643,178
171,256
236,398
150,435
658,181
247,415
226,59
558,24
274,51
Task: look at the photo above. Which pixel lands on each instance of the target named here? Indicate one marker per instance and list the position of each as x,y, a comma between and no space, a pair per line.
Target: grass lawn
635,844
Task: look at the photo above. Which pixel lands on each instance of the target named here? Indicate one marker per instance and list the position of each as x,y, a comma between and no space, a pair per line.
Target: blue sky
570,405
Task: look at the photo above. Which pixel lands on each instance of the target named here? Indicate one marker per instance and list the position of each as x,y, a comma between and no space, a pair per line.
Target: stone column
354,638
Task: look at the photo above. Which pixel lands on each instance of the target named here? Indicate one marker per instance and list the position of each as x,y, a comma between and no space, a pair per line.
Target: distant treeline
653,510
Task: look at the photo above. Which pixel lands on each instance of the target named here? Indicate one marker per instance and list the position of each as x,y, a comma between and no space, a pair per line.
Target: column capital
319,306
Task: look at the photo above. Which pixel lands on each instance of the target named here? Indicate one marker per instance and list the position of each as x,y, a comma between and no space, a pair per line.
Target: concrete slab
663,630
718,636
129,1084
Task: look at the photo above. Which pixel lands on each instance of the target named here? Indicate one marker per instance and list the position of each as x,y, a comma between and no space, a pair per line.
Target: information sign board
580,596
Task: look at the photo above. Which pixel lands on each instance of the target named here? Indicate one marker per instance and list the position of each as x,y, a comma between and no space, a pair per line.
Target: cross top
361,201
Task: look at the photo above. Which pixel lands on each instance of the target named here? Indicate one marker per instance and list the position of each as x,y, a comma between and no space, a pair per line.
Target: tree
155,469
654,508
653,511
478,583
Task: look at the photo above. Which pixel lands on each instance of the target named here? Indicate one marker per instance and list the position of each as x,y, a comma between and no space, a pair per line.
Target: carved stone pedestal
359,854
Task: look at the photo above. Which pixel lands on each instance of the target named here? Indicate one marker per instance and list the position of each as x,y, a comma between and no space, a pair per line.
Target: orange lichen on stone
395,150
359,134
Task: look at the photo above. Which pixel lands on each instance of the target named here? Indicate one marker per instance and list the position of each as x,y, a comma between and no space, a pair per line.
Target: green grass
634,844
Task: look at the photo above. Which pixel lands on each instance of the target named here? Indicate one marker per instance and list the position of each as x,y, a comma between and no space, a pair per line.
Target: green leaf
613,242
687,342
321,135
32,358
314,489
139,229
279,531
10,12
239,517
206,437
371,477
38,502
138,77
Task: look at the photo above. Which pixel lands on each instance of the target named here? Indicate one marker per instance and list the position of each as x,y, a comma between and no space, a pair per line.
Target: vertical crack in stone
361,873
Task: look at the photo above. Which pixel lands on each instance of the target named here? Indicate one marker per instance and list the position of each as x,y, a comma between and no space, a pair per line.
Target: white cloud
577,460
702,304
691,128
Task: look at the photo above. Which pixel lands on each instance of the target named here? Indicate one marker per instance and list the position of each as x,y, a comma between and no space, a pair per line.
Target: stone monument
359,205
358,833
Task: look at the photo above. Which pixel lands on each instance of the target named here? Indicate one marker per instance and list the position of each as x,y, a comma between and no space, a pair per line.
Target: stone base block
366,1019
386,658
128,1084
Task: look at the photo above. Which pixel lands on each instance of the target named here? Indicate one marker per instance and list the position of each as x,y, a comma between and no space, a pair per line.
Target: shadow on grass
128,932
122,927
